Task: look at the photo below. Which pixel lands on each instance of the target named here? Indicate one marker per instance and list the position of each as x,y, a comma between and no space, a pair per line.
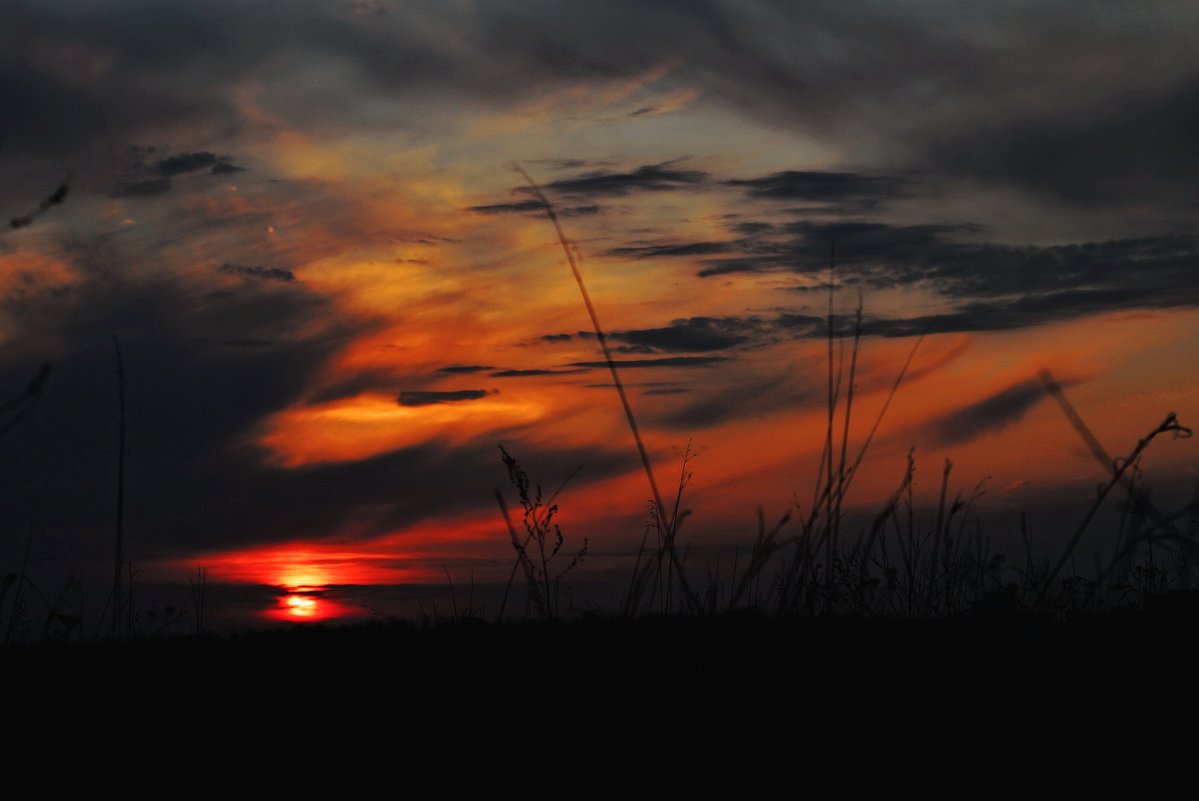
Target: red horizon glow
309,605
740,463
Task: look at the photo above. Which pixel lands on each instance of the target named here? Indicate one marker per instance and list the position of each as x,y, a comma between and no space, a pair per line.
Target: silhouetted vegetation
540,546
900,565
919,576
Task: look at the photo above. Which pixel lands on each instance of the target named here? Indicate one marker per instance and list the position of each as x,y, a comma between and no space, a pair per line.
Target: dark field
833,668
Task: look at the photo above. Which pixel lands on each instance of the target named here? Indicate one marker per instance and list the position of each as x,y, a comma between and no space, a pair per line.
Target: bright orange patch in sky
372,424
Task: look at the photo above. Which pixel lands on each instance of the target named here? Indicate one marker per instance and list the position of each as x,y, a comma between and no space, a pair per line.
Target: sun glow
303,606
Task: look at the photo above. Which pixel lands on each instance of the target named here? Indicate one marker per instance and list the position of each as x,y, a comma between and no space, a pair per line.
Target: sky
335,297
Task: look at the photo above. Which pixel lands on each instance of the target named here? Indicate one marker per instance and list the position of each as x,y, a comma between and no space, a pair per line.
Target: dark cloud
672,250
15,409
181,163
579,211
739,398
464,369
989,415
264,273
672,361
535,372
201,382
197,386
844,191
225,168
988,286
376,381
992,286
647,178
1088,107
802,325
1022,312
148,188
432,397
509,208
694,334
534,206
610,385
50,201
804,247
732,333
1138,146
752,228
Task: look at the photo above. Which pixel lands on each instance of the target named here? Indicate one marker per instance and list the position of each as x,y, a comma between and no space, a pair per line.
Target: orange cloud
372,424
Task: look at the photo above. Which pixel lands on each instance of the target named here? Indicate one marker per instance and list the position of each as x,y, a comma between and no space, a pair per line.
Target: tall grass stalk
1119,469
540,531
119,550
897,565
669,525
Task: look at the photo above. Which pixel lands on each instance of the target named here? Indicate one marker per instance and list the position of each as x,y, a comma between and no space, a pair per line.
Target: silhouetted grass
538,549
667,525
899,566
804,563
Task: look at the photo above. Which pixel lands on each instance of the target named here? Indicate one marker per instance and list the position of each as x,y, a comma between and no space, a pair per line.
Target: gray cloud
1081,105
671,250
840,191
534,206
1087,108
464,369
226,168
152,187
509,208
804,247
746,397
196,384
1132,146
694,334
50,201
536,372
181,163
204,371
994,413
671,361
991,287
647,178
994,286
434,397
264,273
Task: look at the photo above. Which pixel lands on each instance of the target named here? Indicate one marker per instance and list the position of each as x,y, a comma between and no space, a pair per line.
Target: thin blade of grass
612,368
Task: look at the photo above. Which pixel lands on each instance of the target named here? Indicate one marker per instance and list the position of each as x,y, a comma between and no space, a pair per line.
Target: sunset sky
336,298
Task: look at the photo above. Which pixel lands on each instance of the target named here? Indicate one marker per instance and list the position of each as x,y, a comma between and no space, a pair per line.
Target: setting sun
301,605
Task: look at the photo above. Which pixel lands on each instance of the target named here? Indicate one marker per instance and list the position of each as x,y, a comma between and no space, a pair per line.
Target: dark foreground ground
753,667
739,705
